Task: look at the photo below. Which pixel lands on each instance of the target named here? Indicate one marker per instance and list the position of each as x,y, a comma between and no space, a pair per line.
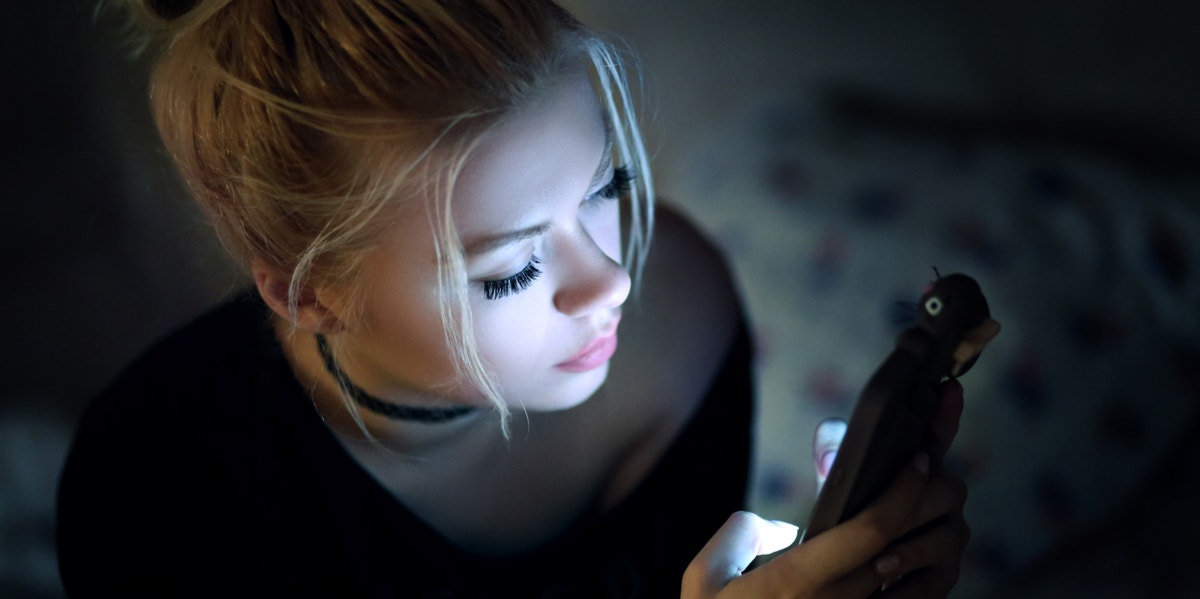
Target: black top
205,470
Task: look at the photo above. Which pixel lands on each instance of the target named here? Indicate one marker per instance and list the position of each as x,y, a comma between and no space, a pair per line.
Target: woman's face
535,207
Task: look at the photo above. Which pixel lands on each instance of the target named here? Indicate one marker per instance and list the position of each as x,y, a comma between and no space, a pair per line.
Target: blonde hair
302,127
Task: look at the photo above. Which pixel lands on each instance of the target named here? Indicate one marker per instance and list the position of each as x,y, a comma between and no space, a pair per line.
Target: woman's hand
910,539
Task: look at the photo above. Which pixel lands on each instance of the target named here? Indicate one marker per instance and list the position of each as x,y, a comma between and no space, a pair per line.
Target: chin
574,390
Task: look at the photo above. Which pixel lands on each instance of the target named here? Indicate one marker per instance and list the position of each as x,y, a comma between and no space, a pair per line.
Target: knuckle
877,530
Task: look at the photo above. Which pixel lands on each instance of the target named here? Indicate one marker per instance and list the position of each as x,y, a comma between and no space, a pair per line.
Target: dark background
100,252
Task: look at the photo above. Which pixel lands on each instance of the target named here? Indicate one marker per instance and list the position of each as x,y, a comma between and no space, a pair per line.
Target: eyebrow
487,244
491,242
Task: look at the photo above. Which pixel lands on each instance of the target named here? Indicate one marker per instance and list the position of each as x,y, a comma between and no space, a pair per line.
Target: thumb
826,441
743,537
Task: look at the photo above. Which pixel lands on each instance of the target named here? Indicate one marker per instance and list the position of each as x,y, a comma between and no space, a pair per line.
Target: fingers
943,427
923,566
826,441
842,549
863,582
854,559
743,537
943,495
926,565
925,584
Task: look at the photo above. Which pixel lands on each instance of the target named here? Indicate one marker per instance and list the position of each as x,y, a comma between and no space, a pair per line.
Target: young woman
446,209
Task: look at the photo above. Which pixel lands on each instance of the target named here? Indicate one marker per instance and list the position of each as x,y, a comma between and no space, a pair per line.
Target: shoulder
177,428
687,281
216,343
177,394
678,333
206,351
686,313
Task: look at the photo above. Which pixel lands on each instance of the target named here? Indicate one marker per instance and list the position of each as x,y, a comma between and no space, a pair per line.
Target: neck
387,409
355,423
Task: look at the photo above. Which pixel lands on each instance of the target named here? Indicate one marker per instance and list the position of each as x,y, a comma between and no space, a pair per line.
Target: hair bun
169,10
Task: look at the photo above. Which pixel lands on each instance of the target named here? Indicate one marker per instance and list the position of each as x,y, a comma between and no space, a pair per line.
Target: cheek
514,335
407,327
401,323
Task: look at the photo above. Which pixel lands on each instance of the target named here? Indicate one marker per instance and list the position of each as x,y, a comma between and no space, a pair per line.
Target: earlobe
311,314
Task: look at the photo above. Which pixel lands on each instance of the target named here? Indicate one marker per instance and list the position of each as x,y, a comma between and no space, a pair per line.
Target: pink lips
593,355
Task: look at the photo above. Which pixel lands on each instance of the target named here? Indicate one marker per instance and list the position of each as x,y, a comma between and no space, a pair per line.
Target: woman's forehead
540,152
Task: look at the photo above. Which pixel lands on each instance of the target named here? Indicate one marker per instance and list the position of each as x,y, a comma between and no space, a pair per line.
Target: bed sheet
1091,264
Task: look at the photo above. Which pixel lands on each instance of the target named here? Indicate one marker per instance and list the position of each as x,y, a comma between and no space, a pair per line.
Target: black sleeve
144,510
172,484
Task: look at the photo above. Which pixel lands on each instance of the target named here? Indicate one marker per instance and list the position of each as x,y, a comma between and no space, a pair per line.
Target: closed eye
515,284
616,187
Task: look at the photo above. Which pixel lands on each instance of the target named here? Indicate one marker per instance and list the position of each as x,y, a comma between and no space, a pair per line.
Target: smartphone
890,420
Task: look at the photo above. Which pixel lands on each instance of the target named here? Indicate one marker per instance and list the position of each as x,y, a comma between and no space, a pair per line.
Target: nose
590,280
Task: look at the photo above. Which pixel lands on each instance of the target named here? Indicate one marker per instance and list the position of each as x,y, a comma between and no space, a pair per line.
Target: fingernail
827,462
922,462
887,563
785,525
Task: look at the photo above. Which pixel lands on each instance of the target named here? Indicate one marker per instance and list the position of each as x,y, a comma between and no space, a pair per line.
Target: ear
311,314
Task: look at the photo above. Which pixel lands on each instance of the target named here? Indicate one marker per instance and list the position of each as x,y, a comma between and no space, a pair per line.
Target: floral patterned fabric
1092,266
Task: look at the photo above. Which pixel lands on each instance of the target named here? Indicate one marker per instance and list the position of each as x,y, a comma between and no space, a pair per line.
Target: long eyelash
514,284
618,186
